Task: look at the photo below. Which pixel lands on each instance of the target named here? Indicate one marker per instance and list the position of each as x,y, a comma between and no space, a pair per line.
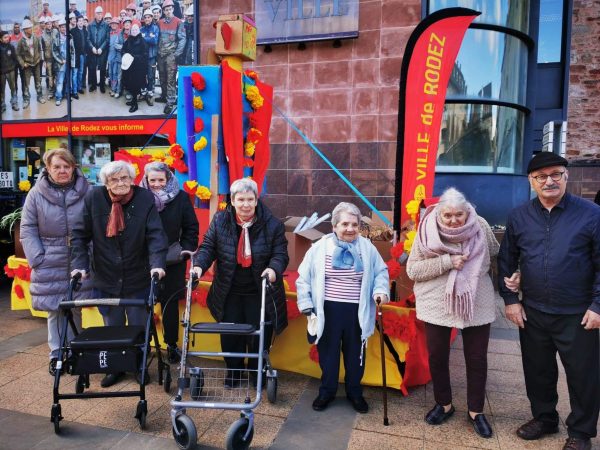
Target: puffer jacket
269,249
49,216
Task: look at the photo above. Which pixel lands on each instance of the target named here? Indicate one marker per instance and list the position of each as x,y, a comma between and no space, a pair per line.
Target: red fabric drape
231,109
262,152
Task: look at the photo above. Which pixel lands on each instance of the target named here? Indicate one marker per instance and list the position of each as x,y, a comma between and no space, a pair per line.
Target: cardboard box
298,243
241,31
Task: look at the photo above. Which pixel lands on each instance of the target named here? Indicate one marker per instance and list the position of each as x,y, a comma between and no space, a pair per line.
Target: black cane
386,422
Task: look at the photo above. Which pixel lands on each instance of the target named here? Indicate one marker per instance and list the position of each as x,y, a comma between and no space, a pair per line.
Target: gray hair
113,167
243,185
453,198
157,166
346,207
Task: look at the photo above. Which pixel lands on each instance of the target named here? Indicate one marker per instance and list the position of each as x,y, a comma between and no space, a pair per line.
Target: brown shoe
535,429
577,444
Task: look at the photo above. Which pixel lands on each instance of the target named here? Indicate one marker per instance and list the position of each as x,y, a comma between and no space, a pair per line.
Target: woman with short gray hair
129,244
181,227
339,281
247,242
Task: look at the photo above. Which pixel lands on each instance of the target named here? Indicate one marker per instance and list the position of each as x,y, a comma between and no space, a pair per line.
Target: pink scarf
433,237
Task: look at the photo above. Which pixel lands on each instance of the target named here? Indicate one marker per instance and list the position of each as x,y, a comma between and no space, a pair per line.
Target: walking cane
383,376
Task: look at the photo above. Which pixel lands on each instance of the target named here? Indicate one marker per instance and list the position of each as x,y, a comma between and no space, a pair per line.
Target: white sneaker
58,102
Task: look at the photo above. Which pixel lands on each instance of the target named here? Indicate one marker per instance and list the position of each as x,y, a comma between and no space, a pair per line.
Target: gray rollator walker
221,388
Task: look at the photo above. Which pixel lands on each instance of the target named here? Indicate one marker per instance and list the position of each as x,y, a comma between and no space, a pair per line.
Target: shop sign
281,21
6,180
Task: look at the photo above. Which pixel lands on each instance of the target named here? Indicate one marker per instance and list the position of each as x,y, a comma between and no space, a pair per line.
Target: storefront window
507,13
551,31
490,65
480,138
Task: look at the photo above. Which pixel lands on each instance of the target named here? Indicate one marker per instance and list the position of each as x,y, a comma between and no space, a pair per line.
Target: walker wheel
80,384
56,417
167,379
236,433
272,389
185,435
196,385
141,413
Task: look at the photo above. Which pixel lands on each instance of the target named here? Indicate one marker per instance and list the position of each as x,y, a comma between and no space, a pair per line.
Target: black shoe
81,91
233,379
359,404
75,96
481,425
577,444
161,99
111,379
134,108
138,378
321,402
92,88
168,109
102,89
535,429
173,354
437,415
129,102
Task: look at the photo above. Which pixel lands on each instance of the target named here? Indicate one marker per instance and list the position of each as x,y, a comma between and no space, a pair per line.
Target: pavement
288,424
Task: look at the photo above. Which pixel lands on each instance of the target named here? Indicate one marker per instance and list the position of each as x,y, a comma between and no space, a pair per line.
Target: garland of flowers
398,326
22,272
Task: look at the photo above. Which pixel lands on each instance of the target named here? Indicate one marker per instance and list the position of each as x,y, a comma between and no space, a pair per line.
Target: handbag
174,254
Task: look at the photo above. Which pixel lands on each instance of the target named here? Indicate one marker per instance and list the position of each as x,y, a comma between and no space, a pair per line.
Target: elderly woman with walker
340,280
450,263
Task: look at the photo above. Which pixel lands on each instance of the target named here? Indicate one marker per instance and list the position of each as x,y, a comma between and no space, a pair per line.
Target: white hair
157,166
453,198
243,185
114,167
346,207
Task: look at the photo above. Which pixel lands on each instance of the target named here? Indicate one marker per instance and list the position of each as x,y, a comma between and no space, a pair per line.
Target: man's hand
198,271
513,283
516,314
270,273
161,273
591,320
381,298
458,261
81,271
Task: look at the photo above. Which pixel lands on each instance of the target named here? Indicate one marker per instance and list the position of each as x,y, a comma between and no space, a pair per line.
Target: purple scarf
164,196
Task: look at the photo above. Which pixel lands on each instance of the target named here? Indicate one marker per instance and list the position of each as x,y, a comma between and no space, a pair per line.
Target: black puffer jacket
269,249
121,264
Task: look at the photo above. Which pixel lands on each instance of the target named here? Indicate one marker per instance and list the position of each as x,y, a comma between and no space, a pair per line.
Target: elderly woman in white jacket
340,279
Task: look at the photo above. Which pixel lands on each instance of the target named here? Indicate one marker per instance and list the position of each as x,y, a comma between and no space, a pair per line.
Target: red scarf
244,251
116,221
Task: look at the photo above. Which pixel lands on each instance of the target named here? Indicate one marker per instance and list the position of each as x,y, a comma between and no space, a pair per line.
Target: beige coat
430,276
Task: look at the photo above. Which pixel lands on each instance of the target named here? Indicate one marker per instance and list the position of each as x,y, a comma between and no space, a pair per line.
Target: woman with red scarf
129,244
247,242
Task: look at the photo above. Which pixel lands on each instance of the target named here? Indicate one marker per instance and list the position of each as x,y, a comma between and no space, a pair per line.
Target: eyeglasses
125,179
556,176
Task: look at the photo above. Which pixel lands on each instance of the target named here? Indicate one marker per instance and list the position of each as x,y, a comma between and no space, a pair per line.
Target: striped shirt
341,285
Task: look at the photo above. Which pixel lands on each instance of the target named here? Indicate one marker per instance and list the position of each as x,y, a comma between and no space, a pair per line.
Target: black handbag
174,254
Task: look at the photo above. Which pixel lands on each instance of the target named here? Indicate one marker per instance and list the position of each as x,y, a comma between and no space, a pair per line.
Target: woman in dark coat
247,242
129,244
134,77
52,209
181,227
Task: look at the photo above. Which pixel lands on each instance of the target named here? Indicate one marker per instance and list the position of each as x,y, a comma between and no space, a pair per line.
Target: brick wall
345,100
584,83
584,179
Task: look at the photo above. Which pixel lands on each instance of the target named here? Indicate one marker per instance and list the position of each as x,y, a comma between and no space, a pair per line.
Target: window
507,13
551,31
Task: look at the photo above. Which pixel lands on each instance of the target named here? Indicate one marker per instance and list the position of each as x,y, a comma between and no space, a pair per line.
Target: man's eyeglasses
556,176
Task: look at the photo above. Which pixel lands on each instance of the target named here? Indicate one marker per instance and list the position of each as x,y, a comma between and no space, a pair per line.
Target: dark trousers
243,309
97,62
579,350
172,290
341,326
475,347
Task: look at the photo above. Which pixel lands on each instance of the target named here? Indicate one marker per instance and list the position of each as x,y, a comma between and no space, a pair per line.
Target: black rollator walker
107,349
206,385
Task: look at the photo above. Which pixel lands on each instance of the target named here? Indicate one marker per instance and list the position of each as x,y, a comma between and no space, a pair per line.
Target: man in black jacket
97,46
554,240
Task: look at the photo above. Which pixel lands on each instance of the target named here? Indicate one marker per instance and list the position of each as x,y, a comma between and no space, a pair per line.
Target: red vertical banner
426,68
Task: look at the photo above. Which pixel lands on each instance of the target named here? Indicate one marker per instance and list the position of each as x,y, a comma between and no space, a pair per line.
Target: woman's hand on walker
197,271
160,272
381,299
270,273
83,273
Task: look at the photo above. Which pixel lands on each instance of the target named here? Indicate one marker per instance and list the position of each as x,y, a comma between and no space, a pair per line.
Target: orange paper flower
24,185
176,151
253,95
180,166
222,206
8,271
190,186
394,269
200,144
248,162
198,81
254,135
198,125
251,74
397,250
198,103
203,193
249,149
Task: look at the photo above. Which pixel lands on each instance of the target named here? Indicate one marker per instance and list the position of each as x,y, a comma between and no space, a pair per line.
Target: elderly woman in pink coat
450,263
